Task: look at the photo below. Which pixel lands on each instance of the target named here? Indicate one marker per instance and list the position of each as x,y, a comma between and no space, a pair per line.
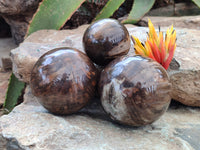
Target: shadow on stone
191,135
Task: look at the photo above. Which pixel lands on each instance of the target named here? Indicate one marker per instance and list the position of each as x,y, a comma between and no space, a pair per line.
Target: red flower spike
156,47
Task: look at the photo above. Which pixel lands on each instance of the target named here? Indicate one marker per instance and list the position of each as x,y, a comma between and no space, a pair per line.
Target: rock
18,25
186,135
30,126
6,45
4,80
17,7
17,14
190,22
177,9
185,79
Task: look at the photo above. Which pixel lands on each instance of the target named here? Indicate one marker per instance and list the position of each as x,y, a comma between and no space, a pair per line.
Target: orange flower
156,47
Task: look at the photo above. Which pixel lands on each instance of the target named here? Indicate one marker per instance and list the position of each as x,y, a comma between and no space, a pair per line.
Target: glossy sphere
64,80
105,40
134,90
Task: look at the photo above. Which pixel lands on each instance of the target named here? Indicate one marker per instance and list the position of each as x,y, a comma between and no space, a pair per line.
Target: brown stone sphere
63,80
106,40
134,90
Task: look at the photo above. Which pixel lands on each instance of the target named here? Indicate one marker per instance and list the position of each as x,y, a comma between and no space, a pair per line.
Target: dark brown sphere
134,90
63,80
105,40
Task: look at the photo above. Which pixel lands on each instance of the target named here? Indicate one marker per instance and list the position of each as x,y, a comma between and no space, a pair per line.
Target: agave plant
156,47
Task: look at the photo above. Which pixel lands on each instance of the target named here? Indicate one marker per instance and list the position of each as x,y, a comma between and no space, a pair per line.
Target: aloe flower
157,48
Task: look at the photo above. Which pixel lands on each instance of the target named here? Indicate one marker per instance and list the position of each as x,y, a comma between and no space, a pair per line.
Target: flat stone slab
180,9
189,22
31,127
184,73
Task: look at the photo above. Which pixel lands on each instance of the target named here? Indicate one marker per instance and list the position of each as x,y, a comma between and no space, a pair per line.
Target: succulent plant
156,47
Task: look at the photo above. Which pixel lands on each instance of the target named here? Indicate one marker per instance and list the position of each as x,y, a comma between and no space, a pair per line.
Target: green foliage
139,9
15,89
110,7
52,14
197,2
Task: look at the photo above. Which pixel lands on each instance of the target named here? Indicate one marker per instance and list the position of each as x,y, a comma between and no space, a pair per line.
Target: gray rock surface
184,73
179,9
189,22
4,81
17,14
16,7
6,45
31,127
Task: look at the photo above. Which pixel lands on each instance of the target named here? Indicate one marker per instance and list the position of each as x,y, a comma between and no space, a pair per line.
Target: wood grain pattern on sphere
64,80
134,90
105,40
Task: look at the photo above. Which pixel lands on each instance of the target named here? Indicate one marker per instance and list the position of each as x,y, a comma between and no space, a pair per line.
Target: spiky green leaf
15,89
139,9
110,7
52,14
197,2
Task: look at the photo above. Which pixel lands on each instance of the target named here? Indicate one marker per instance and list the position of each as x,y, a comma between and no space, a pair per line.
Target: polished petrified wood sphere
105,40
64,80
134,90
